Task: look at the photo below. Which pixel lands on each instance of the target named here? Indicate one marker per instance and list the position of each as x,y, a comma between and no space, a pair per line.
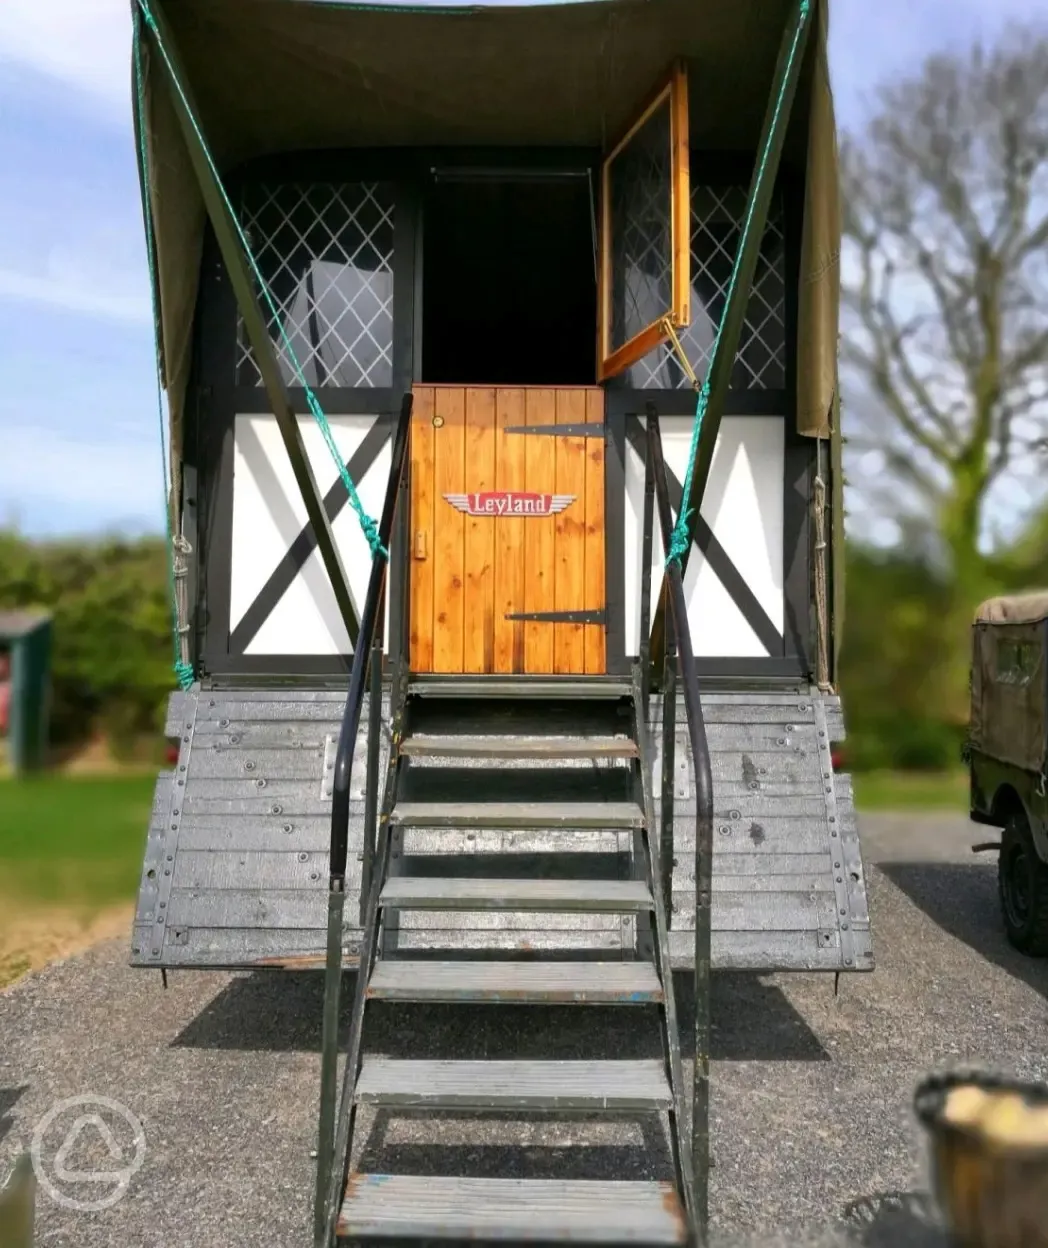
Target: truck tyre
1022,881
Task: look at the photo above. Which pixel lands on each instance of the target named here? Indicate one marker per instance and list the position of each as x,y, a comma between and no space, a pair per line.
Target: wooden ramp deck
236,861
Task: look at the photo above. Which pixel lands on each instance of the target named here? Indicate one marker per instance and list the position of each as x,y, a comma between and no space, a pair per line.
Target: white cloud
84,43
74,296
113,483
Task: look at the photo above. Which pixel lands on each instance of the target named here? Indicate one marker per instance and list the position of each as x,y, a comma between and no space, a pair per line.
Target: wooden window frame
674,93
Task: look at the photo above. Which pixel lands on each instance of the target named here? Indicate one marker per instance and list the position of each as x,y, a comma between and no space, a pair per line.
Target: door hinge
560,617
419,550
558,431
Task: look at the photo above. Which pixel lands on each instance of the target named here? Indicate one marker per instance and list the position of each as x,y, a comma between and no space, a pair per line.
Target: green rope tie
367,524
680,538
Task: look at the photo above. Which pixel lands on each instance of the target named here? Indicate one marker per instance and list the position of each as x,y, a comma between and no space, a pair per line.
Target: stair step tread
446,893
579,983
455,745
528,1210
521,1084
517,815
493,687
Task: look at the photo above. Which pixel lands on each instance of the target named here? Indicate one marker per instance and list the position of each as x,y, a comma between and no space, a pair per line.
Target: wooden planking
510,474
422,530
540,535
476,570
231,947
288,908
758,912
240,835
449,531
478,623
595,588
569,652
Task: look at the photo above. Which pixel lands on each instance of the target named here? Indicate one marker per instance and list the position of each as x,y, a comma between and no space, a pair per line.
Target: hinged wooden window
645,250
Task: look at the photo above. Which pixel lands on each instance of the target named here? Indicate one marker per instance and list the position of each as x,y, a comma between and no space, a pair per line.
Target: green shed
25,668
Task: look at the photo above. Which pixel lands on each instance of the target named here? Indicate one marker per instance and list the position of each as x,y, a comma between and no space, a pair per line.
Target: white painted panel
743,506
268,514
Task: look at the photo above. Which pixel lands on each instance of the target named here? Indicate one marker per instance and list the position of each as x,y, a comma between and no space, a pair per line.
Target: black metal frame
219,400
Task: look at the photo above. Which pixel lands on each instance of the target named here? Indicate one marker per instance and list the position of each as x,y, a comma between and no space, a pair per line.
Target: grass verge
912,790
70,854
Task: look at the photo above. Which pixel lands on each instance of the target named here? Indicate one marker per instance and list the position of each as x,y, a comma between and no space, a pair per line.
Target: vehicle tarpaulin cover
1009,720
270,77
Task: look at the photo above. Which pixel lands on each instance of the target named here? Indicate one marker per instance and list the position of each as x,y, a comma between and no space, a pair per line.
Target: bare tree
944,341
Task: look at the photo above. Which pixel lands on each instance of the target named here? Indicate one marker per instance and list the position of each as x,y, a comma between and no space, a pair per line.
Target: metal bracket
358,774
327,776
681,770
172,828
599,616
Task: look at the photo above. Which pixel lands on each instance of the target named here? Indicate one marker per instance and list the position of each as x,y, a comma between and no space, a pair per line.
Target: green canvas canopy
269,77
1009,714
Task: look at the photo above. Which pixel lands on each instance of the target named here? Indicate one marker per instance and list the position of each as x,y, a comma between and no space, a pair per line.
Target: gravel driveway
811,1094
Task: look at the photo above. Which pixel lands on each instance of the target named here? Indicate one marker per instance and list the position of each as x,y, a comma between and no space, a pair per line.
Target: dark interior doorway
509,293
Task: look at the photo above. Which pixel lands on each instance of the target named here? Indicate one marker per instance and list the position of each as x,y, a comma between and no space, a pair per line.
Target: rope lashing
680,539
367,524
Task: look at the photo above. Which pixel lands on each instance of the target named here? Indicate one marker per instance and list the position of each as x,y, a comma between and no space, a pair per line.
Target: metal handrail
362,654
689,681
368,651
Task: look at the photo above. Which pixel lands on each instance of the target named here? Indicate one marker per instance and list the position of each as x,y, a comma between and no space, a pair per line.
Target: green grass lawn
80,839
73,839
911,790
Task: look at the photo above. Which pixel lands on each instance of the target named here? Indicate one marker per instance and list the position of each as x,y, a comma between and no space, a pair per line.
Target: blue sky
79,440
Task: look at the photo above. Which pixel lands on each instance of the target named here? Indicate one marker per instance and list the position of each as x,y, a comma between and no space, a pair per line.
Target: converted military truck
500,354
1007,753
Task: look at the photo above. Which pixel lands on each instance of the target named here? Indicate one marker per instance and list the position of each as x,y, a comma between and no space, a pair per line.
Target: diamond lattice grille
716,223
641,240
326,253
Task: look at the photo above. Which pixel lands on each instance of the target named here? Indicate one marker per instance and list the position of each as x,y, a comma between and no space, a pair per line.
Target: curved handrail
365,652
369,623
703,829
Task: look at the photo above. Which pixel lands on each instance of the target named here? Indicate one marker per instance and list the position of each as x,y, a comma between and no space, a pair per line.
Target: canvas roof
1030,608
269,77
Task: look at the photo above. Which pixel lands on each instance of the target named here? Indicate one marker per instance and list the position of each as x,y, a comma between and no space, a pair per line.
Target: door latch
420,544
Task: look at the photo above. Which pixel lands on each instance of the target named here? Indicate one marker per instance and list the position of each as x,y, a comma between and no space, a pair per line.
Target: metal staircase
541,765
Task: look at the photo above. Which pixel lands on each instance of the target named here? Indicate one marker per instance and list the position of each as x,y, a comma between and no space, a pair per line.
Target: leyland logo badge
510,503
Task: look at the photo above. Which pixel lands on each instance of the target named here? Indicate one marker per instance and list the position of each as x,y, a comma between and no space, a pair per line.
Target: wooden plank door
507,531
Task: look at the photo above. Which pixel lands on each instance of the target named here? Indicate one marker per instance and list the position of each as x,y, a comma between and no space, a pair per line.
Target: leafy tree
945,306
112,644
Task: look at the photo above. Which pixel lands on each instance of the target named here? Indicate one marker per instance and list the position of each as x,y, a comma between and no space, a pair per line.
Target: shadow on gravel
281,1012
639,1150
961,898
895,1220
752,1021
8,1098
